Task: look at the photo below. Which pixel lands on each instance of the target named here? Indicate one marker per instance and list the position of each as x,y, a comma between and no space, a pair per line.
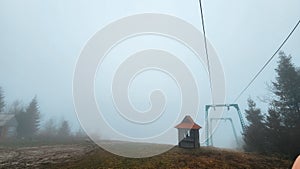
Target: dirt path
37,157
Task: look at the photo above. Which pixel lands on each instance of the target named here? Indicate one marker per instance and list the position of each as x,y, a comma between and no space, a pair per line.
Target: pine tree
274,132
80,133
31,119
33,114
17,109
22,124
50,129
284,112
254,135
2,102
287,90
64,130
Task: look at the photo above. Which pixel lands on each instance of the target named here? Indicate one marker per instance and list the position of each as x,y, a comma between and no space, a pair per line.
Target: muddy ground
88,155
41,156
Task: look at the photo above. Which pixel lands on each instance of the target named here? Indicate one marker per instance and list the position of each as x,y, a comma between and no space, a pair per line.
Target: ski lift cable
206,51
265,65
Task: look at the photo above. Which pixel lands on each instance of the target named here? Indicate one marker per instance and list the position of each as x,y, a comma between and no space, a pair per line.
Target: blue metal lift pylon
224,119
207,107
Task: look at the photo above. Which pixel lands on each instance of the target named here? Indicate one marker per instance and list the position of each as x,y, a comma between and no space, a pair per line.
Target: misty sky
40,42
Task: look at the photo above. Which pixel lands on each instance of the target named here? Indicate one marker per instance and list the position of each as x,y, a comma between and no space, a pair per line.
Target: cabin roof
188,123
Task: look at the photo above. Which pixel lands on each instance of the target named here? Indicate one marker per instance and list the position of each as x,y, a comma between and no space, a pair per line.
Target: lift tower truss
207,107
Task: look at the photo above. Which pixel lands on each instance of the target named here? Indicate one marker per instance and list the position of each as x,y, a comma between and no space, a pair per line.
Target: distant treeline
277,131
29,122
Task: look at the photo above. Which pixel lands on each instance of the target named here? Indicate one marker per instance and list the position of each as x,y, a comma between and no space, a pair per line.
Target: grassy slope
179,158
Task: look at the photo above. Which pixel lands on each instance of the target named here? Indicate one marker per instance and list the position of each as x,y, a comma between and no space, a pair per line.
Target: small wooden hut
188,133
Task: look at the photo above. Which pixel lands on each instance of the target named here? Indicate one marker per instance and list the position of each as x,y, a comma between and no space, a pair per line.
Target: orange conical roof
188,123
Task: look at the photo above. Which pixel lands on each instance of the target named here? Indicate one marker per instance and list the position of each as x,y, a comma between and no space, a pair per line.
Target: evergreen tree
50,129
64,130
33,118
17,109
254,135
287,90
22,124
28,120
2,102
284,115
274,132
80,133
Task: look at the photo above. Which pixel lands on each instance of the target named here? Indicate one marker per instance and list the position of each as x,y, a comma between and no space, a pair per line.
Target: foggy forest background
273,132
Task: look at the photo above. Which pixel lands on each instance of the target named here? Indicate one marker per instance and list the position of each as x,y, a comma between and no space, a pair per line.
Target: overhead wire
268,61
206,51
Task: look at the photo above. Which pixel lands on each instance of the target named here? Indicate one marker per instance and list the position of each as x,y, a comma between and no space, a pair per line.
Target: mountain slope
204,157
